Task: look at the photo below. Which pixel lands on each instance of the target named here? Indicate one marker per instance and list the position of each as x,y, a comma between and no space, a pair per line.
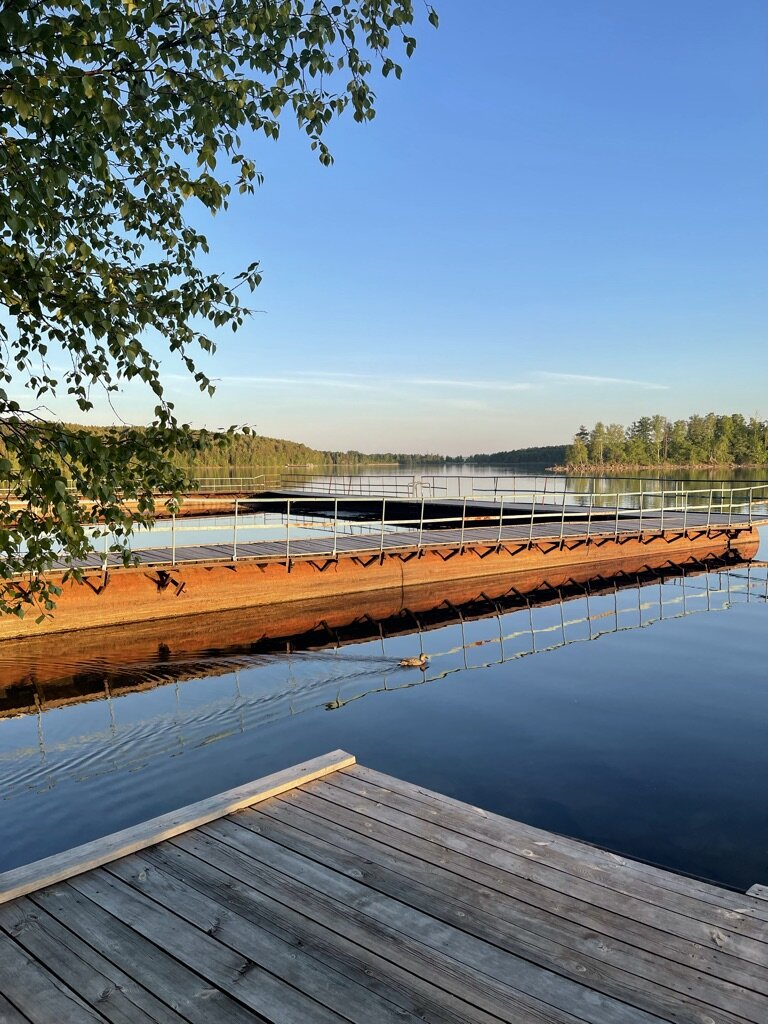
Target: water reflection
628,711
205,693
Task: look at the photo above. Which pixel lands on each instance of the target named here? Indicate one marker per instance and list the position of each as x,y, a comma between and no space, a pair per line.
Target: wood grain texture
333,894
523,913
566,853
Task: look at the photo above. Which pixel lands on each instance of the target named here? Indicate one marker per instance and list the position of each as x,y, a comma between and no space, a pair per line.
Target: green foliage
114,116
710,440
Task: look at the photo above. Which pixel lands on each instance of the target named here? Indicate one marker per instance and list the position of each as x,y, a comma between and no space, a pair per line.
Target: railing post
730,507
421,523
234,534
709,506
106,550
501,521
533,507
749,509
589,516
463,523
287,531
335,523
616,523
684,494
640,528
562,519
173,538
661,527
383,521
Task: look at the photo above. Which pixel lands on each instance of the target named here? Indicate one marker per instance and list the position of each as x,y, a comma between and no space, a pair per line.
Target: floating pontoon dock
276,550
331,893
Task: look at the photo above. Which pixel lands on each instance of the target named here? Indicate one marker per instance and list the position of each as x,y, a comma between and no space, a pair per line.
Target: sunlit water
637,720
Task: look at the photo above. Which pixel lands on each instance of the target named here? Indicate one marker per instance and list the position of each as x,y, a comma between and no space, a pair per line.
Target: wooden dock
329,892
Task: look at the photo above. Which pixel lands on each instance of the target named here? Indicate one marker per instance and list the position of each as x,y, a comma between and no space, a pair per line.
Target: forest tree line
709,440
543,455
240,451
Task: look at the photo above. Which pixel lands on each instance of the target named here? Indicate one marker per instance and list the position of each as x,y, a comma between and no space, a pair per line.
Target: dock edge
61,866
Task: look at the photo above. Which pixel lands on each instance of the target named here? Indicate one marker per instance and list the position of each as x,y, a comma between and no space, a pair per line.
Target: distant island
700,442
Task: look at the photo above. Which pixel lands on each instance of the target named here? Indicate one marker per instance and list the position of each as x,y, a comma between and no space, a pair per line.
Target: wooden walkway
412,540
330,892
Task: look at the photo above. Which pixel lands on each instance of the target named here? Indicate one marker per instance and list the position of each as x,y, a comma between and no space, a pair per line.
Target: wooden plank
534,843
410,991
760,892
566,920
705,902
640,978
85,971
36,993
352,922
229,971
674,917
168,980
289,962
26,879
9,1014
481,958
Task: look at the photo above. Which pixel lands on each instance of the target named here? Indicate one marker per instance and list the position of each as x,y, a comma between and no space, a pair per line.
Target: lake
634,717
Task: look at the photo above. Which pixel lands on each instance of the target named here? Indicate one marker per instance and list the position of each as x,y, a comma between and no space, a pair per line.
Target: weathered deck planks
331,892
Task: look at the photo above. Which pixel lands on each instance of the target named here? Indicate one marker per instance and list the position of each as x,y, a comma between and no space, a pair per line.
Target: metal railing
311,526
220,484
488,485
233,484
394,485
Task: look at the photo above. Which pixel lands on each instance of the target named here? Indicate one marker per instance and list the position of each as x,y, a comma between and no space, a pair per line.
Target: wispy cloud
362,382
480,385
585,378
299,380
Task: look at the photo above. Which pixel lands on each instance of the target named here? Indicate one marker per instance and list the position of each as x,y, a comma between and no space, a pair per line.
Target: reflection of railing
312,526
339,674
612,617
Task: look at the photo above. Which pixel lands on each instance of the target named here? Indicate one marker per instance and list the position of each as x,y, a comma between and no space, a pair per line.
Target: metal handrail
464,525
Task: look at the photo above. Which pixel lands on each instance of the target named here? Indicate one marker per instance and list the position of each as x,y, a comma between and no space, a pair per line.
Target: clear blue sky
559,215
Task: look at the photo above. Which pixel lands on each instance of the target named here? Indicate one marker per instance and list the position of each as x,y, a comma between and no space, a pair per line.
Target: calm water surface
636,720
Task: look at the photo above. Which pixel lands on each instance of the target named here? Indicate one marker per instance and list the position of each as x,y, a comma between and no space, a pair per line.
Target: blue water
636,720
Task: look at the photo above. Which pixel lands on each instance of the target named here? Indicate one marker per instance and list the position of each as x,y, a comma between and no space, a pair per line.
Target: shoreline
661,467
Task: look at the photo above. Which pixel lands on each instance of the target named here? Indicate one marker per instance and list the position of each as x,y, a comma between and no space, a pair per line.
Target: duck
419,662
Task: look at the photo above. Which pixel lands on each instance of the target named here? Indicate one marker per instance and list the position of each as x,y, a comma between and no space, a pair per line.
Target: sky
559,215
